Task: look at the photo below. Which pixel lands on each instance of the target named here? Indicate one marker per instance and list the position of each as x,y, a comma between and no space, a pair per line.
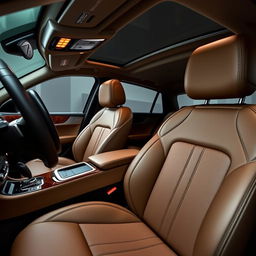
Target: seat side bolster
230,232
142,174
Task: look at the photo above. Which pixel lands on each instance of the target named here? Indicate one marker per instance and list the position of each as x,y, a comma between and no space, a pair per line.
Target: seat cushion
94,228
37,166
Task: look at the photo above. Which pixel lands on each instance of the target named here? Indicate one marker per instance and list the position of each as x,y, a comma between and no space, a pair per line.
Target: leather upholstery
202,152
111,94
220,70
113,159
94,228
108,130
193,184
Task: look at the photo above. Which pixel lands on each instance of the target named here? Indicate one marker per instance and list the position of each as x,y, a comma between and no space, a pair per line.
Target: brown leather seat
191,189
107,131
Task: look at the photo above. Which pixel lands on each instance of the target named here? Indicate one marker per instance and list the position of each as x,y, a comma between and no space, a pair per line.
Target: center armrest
113,159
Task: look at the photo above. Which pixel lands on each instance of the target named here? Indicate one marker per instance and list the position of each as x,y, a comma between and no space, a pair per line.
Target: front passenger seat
107,131
192,188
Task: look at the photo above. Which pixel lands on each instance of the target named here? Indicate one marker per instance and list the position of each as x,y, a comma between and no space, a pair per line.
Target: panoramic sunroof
164,25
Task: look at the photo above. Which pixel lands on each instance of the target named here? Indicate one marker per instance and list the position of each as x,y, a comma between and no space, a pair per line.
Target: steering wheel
37,119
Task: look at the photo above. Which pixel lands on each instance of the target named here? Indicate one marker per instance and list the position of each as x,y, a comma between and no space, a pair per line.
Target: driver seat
108,130
190,190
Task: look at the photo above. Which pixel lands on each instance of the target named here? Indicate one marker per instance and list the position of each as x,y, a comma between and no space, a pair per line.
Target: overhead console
66,40
65,47
89,13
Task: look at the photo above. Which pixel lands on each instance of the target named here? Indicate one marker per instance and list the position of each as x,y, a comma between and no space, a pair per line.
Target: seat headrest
220,70
111,94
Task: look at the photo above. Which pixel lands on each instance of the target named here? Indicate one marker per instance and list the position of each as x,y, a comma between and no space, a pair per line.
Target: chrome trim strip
56,177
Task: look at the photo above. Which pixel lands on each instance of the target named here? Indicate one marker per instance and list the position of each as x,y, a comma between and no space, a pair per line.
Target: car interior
127,128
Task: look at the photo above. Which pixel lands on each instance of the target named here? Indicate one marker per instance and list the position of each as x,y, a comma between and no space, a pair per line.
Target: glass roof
163,25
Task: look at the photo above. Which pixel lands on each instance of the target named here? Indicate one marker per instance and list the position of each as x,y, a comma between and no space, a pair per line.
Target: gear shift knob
24,170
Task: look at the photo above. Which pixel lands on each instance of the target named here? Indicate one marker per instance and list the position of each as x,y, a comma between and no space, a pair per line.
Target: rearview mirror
26,49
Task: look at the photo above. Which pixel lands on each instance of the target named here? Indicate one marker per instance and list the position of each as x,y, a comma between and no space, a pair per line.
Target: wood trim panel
57,119
49,181
10,118
54,192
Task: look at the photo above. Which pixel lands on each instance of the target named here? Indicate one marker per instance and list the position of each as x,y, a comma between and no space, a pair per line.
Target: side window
65,94
158,108
251,99
140,99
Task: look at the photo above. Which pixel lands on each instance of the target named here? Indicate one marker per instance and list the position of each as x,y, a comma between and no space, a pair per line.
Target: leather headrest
220,70
111,94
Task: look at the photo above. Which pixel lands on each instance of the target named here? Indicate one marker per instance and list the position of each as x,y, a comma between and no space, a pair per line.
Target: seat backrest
109,128
194,181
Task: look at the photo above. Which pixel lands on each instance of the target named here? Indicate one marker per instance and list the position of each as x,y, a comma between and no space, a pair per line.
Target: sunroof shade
164,25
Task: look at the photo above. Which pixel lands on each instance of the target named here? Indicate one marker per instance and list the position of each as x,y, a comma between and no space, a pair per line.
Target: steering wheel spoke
40,130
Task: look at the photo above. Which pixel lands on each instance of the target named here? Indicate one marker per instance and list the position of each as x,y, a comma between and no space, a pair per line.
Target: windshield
14,24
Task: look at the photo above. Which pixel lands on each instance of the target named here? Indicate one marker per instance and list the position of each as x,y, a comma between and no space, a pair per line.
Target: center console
22,196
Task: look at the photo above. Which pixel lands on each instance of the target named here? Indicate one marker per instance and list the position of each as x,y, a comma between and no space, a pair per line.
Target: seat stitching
85,240
160,129
114,120
97,140
111,135
92,204
177,185
186,190
131,250
74,146
159,139
102,141
118,116
240,139
126,241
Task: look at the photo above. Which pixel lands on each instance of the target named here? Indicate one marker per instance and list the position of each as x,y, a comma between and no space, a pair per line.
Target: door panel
67,124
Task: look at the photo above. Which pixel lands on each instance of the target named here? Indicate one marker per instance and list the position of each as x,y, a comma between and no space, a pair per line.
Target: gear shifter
24,170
